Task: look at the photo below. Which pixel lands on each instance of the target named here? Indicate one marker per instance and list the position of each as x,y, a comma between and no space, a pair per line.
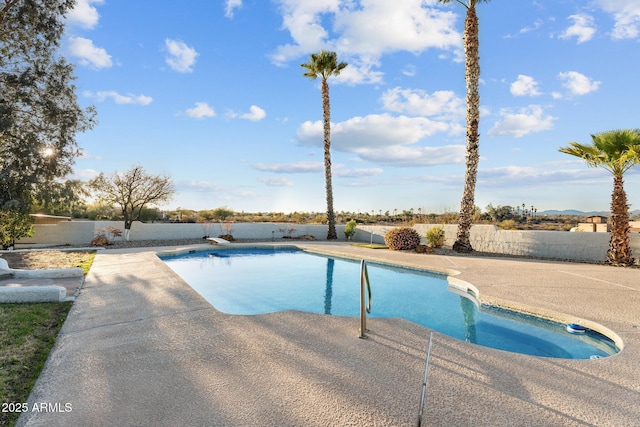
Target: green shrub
350,229
13,225
402,238
435,237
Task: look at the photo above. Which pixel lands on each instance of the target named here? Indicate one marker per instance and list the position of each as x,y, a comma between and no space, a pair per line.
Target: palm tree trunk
472,77
326,110
619,246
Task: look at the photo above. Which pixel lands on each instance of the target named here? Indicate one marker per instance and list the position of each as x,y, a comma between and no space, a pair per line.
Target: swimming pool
252,281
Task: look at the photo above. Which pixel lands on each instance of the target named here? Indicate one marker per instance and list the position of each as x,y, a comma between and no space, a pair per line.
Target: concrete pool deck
140,347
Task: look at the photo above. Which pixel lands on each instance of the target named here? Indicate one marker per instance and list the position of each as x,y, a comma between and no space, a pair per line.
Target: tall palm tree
617,151
325,64
472,78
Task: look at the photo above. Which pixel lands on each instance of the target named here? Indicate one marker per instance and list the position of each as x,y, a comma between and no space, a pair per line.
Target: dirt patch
41,260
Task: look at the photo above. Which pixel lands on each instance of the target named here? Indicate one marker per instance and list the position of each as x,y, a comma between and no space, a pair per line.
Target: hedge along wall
576,246
80,233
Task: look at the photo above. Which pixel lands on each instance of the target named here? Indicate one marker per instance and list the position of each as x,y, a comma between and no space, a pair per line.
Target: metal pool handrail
424,381
364,307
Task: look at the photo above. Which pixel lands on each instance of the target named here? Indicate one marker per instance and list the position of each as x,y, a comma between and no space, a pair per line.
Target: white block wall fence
579,246
80,233
562,245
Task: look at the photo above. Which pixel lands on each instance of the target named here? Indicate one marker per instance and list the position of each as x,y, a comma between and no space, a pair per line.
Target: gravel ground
42,260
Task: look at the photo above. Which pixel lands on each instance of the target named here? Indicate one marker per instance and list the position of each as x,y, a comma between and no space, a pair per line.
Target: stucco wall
77,233
543,244
485,238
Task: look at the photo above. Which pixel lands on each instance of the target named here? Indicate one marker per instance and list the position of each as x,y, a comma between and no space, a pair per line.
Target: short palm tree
617,151
325,64
472,78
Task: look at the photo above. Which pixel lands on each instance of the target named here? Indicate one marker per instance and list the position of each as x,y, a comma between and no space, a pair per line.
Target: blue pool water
265,280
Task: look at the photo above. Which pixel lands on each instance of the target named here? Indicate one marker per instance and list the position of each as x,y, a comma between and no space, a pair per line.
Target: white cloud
536,25
339,172
383,139
527,176
295,167
302,18
626,14
360,71
524,121
230,6
406,156
276,181
88,54
200,111
577,83
85,174
409,70
524,85
442,104
583,28
101,96
410,25
84,14
214,190
255,114
373,131
181,57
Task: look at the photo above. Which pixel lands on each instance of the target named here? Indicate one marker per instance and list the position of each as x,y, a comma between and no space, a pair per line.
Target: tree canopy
324,64
616,151
132,191
39,112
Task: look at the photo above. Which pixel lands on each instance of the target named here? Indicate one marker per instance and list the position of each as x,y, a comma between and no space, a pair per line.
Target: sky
211,92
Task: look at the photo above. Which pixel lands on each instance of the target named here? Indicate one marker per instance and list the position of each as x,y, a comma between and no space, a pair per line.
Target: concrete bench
17,294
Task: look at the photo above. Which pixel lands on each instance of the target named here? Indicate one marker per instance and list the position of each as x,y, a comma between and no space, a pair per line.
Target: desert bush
508,224
402,238
102,239
227,237
350,229
435,237
423,249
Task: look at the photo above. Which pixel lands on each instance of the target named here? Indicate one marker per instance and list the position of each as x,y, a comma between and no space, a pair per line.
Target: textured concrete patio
141,348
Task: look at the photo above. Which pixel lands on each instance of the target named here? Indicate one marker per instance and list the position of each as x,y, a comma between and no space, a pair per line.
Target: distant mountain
582,213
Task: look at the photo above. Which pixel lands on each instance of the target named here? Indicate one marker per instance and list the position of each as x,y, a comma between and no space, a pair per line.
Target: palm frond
324,64
617,150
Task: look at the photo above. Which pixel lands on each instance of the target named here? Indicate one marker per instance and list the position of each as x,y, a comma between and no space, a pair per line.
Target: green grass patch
370,245
27,335
86,261
29,331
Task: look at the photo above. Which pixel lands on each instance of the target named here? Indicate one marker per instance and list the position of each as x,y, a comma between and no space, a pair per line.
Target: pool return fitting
364,306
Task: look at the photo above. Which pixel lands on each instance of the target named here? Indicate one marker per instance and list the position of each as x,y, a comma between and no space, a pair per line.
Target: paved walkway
141,348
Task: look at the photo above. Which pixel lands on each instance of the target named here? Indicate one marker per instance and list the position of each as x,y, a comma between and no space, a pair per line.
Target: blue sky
212,93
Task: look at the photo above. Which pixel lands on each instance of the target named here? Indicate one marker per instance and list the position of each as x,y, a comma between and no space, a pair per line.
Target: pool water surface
265,280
